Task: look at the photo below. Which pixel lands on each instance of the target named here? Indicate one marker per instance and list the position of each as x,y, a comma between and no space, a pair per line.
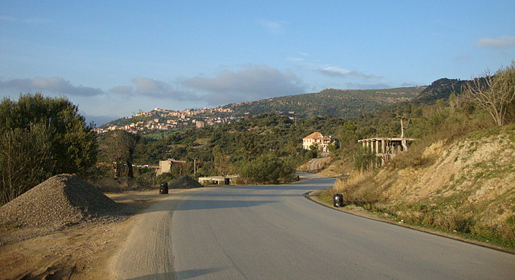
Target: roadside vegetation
458,176
41,137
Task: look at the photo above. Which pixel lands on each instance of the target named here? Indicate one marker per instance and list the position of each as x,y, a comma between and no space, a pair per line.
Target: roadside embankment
464,187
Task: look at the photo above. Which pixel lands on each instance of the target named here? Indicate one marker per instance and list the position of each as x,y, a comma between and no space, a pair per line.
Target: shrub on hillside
267,169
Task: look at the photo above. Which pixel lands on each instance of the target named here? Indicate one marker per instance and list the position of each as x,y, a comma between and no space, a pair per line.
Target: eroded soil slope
465,186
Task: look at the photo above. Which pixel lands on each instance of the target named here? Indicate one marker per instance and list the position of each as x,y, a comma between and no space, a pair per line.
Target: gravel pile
185,182
62,200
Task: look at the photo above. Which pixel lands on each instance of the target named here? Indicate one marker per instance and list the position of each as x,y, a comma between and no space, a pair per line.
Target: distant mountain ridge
441,89
335,102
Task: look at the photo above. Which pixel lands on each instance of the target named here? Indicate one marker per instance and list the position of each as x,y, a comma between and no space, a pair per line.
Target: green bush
165,178
266,169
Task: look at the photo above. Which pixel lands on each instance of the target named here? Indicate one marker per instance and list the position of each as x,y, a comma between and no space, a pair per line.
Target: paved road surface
273,232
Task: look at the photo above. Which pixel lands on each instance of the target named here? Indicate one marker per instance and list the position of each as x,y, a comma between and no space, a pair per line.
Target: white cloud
296,59
125,90
501,42
56,85
274,27
344,73
369,86
254,82
300,57
152,88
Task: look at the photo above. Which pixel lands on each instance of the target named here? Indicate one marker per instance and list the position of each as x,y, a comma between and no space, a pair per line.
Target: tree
41,137
223,165
494,93
267,168
249,146
132,142
25,158
118,149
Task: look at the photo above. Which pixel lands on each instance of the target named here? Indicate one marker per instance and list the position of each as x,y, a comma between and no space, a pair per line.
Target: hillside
440,89
334,102
465,186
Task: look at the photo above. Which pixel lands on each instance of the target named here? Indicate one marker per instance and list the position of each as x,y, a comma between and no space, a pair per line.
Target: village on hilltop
162,119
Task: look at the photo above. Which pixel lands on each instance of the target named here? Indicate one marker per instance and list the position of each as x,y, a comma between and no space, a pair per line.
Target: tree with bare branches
494,93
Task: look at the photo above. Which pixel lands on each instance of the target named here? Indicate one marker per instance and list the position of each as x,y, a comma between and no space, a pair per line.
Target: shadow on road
169,275
219,204
186,274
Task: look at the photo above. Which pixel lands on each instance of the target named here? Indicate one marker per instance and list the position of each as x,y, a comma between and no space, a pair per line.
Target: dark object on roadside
185,182
163,189
338,200
227,181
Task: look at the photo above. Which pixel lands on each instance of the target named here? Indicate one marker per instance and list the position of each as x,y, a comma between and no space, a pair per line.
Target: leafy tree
131,147
25,159
223,165
41,137
118,149
73,143
250,147
267,168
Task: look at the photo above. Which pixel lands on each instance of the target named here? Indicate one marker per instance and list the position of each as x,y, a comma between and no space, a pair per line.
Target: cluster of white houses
161,119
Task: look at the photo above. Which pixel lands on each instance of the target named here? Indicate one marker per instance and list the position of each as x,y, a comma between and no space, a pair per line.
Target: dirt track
83,251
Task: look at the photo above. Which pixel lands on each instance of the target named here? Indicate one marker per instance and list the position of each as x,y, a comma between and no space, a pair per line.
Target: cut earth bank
464,187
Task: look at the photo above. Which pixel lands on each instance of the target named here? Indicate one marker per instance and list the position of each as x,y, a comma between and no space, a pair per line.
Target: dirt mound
59,201
185,182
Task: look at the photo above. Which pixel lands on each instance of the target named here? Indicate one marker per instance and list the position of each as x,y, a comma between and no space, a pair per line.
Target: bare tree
494,93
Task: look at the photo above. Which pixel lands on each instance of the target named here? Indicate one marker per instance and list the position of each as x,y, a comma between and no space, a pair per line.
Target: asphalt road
274,232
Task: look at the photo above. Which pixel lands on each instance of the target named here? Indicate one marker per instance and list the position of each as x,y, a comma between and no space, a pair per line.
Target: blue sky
114,58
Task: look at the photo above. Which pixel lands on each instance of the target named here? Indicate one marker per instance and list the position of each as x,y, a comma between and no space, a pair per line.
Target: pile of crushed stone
62,200
185,182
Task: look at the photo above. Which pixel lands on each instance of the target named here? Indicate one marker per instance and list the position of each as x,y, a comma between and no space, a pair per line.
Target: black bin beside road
163,189
338,200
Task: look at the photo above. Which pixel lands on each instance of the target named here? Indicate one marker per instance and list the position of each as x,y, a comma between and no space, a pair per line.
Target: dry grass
357,189
463,186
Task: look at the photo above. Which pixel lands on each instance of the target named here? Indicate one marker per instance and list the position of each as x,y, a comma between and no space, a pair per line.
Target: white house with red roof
316,139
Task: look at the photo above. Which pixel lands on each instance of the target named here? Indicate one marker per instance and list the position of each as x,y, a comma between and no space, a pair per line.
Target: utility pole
194,166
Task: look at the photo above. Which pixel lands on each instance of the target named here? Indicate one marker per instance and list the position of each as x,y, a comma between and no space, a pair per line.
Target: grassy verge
487,240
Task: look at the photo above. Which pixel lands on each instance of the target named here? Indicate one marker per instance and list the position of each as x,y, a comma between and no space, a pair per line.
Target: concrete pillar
404,145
